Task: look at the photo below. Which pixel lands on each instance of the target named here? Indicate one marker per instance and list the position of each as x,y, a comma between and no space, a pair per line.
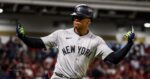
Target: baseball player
78,46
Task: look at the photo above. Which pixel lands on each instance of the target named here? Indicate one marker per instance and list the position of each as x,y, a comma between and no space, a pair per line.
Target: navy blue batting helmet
83,10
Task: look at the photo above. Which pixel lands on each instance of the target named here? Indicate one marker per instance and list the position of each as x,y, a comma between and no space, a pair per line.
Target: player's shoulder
59,30
63,31
98,38
95,36
68,31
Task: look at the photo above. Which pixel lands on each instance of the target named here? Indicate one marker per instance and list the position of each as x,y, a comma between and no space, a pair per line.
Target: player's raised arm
116,57
29,41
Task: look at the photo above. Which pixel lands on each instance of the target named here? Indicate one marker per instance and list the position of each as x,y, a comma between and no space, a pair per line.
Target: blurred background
112,19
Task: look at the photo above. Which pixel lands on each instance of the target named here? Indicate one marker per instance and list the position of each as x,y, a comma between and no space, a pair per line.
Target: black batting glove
20,31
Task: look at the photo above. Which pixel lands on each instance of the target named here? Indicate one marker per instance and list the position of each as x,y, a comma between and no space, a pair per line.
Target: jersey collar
88,34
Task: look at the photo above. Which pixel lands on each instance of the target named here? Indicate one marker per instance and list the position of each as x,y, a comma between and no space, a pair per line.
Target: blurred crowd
17,61
136,65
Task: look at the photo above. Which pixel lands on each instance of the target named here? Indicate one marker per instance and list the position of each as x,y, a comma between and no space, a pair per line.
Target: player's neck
81,32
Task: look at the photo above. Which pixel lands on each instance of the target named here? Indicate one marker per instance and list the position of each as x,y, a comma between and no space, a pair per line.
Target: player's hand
130,36
20,31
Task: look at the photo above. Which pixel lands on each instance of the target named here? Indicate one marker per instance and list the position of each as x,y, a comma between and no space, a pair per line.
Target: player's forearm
116,57
33,42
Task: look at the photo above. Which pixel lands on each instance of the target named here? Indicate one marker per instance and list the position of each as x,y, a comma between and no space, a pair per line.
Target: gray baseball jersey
75,52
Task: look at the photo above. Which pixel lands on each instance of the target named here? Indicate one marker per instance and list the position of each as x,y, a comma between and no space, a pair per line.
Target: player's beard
80,29
78,25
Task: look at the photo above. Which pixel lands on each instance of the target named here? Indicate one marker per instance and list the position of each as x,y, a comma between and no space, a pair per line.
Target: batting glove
129,36
20,31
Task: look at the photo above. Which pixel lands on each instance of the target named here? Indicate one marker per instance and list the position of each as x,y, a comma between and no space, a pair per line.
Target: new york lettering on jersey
81,50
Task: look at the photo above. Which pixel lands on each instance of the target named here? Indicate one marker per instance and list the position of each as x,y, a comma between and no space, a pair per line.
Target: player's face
81,23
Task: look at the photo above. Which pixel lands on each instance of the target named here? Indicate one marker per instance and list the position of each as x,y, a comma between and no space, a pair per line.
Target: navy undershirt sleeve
116,57
33,42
